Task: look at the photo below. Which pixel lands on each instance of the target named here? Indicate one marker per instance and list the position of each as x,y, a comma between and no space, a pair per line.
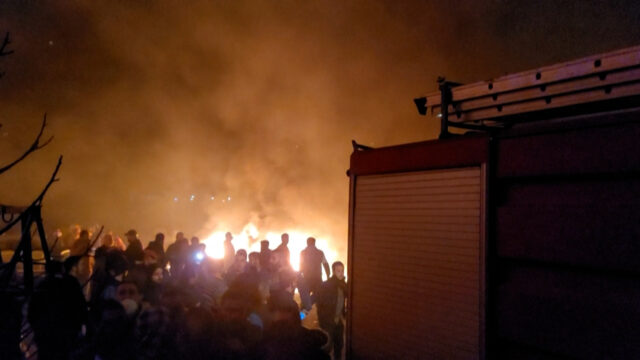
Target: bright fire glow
249,239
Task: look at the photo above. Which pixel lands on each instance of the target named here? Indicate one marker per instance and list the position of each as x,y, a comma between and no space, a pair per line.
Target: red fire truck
516,234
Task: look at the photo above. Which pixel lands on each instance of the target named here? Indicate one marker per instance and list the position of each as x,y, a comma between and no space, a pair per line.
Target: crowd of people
150,302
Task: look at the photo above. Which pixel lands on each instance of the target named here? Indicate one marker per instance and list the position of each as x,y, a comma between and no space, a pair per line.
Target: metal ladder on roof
491,104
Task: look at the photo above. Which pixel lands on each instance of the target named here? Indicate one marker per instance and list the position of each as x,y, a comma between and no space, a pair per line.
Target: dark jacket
312,261
284,251
158,248
328,300
134,252
176,255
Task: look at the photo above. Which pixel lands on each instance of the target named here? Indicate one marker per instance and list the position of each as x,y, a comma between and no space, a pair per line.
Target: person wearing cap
134,251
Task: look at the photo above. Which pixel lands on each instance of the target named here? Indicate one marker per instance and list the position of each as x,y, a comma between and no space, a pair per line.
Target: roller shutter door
416,265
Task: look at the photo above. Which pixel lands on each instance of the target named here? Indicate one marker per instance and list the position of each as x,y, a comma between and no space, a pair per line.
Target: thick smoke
155,100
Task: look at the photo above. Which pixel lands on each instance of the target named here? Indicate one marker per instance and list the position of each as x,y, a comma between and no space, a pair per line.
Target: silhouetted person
239,338
282,277
130,297
229,251
114,338
153,285
175,300
312,260
105,286
177,254
239,266
255,276
285,338
118,243
155,335
265,255
210,284
194,248
10,326
107,244
241,257
101,257
157,246
254,261
251,267
57,310
80,248
69,237
283,249
331,307
195,241
151,258
134,251
202,249
197,340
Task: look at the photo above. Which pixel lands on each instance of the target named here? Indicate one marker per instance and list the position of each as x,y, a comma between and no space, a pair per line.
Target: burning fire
249,239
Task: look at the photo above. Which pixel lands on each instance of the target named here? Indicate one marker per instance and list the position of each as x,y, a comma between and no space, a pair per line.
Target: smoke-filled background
151,102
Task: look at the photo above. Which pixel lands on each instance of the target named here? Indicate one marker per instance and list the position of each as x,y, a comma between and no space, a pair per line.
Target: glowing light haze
249,239
152,102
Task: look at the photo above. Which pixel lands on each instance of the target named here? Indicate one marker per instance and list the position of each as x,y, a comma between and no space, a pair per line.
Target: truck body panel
519,242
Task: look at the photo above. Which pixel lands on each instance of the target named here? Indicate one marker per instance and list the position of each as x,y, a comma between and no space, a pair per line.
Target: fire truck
516,233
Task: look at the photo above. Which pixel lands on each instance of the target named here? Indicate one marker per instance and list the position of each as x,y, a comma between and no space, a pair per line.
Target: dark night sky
259,100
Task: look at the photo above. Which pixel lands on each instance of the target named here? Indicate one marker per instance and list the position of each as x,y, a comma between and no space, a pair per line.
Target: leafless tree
36,145
38,200
27,214
3,49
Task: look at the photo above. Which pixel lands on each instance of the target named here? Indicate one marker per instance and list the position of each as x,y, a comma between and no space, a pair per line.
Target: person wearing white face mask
130,297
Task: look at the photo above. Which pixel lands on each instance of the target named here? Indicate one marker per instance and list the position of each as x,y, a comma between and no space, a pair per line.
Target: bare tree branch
5,42
74,260
3,51
35,146
93,243
38,200
55,242
86,253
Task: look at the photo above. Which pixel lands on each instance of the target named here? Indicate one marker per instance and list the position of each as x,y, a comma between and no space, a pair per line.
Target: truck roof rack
496,103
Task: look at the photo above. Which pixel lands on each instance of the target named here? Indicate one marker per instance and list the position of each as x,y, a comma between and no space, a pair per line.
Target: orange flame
249,239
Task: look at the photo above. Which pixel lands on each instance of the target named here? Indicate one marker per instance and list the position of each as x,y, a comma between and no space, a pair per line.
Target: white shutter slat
416,246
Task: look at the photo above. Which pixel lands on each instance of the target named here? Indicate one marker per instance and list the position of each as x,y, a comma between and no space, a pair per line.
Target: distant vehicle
518,239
